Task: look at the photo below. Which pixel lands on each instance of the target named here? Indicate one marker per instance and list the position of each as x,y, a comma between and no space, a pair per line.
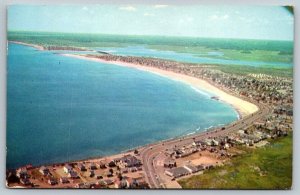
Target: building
52,181
170,163
177,172
102,165
64,180
44,170
122,184
68,168
22,173
130,161
93,166
191,168
108,182
25,181
112,164
72,174
82,167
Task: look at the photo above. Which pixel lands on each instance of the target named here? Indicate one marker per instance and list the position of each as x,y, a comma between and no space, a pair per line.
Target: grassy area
263,168
244,70
249,50
229,54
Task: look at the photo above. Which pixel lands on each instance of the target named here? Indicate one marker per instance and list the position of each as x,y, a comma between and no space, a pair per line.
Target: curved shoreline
243,107
243,111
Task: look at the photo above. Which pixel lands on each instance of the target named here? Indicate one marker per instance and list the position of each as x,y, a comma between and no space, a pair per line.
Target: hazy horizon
138,35
224,22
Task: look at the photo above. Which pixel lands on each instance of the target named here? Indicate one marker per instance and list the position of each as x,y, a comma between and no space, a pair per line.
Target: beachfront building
73,175
102,165
130,161
93,166
82,167
22,173
25,181
44,170
67,168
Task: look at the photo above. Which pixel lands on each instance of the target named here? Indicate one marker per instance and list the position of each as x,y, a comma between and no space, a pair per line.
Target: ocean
61,108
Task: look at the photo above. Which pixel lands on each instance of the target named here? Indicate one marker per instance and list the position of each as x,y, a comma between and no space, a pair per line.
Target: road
149,153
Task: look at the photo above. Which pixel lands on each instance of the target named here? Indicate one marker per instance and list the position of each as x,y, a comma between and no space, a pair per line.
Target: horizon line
185,36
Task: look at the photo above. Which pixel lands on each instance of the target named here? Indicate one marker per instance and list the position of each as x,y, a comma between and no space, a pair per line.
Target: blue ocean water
185,57
61,108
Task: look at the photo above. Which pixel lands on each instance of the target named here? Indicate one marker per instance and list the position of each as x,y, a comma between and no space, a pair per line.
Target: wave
201,92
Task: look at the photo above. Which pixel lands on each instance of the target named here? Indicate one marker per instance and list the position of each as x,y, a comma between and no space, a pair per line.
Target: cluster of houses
74,174
23,175
123,182
253,136
256,135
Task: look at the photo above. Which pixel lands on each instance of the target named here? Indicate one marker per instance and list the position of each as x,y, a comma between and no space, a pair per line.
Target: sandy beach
243,107
28,44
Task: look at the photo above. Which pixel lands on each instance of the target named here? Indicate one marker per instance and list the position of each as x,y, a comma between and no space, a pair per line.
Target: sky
241,22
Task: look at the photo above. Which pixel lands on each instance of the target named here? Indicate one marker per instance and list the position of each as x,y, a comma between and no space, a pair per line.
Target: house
200,143
92,173
134,183
72,174
139,168
177,172
130,161
170,152
44,170
25,181
99,177
102,165
169,162
122,184
215,142
68,168
289,112
112,164
64,180
124,170
101,183
22,173
133,169
83,185
208,142
82,167
93,166
108,182
52,181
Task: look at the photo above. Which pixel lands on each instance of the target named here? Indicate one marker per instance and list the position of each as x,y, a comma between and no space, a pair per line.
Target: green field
244,70
269,167
236,49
